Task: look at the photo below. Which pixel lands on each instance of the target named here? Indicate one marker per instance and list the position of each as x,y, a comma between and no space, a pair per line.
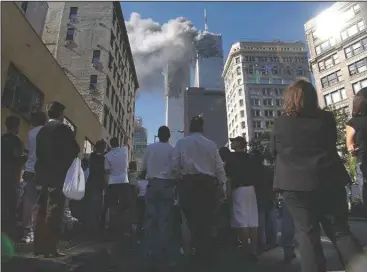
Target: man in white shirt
30,195
119,193
197,160
157,164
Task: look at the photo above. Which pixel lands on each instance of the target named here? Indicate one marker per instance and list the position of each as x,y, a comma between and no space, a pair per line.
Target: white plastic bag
74,185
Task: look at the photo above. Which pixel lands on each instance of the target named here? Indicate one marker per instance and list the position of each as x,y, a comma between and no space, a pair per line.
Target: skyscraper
209,60
177,79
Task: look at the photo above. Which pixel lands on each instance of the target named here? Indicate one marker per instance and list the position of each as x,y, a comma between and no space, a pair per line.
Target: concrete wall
211,104
31,57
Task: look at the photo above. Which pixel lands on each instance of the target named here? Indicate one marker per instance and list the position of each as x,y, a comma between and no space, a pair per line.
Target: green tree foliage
341,118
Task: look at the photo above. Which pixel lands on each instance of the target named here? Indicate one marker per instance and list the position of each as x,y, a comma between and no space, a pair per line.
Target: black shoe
288,259
57,254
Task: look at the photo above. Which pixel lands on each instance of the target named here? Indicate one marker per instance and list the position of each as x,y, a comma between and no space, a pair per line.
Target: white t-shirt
157,161
117,163
32,158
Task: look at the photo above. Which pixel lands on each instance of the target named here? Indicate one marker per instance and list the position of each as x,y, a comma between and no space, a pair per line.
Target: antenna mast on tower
205,21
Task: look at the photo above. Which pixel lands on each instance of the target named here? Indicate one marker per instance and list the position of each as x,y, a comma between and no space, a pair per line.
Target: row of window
266,102
264,70
349,51
331,79
267,113
335,97
271,59
358,67
114,128
346,16
359,85
260,124
346,34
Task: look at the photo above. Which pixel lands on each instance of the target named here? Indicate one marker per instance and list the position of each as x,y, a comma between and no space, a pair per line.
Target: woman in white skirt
241,170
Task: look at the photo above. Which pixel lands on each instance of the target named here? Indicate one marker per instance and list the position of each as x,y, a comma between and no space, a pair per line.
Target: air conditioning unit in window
98,66
73,21
70,44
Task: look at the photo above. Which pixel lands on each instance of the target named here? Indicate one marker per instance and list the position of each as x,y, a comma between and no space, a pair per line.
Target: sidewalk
92,254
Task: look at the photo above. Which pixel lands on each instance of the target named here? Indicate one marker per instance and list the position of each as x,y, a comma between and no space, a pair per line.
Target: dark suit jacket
56,150
306,154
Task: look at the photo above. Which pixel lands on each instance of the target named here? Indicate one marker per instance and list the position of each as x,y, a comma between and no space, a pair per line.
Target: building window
356,48
278,92
70,124
278,102
359,85
96,56
251,69
331,79
108,87
267,92
238,71
325,46
335,97
70,34
275,71
352,30
110,61
258,135
256,124
73,12
237,60
268,113
24,6
358,67
240,92
288,71
267,102
239,82
88,146
242,113
264,71
243,124
299,71
106,113
20,94
255,113
241,102
93,82
328,62
255,102
113,38
279,113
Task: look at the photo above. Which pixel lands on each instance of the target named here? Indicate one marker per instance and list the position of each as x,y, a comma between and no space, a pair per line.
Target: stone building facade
89,41
255,76
337,40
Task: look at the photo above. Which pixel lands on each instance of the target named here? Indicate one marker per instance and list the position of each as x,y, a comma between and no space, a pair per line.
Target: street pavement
114,257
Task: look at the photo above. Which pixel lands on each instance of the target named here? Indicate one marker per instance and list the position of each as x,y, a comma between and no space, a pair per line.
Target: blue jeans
287,231
159,201
30,199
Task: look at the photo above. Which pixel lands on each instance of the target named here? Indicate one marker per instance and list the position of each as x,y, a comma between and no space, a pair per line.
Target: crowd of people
194,184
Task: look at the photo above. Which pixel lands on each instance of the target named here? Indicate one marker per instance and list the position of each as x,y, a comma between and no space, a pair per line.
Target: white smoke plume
154,45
